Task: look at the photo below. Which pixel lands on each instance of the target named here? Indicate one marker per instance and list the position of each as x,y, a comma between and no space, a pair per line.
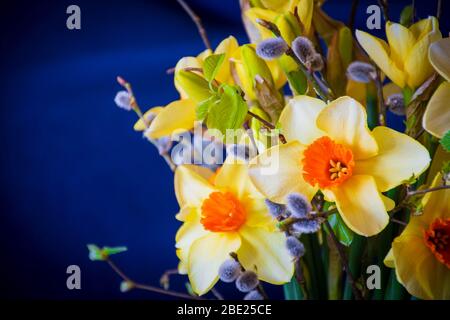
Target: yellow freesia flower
421,254
331,148
436,119
404,59
224,213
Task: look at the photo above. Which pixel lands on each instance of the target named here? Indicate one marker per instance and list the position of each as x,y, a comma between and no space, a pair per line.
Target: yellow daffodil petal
360,205
389,259
177,116
228,46
265,253
422,27
305,12
378,50
411,254
389,204
401,40
440,157
345,121
187,213
186,235
278,172
253,14
436,203
399,157
205,257
186,62
234,177
140,125
257,214
298,119
191,188
182,266
439,55
417,66
436,119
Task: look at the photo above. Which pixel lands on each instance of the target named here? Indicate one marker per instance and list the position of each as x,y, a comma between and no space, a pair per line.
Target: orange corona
327,163
437,238
222,212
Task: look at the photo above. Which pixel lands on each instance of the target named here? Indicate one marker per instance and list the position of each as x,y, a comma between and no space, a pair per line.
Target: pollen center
222,212
437,239
327,163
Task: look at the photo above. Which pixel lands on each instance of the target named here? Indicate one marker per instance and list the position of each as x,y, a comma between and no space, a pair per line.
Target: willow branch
141,286
197,21
268,125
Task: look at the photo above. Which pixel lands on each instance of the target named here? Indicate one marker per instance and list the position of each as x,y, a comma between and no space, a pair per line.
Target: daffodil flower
224,213
331,148
436,119
421,254
404,59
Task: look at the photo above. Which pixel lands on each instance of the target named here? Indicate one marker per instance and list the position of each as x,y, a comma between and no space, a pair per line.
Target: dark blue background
72,169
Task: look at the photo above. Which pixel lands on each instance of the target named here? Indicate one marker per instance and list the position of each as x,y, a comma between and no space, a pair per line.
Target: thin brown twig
284,224
351,20
344,261
439,9
268,125
398,221
423,191
141,286
385,7
380,98
198,23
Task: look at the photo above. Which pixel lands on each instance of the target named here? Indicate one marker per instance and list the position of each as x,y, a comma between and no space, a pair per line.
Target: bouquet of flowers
286,170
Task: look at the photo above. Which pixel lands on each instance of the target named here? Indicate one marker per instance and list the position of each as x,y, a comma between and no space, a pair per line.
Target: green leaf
343,233
229,112
292,290
298,82
201,112
113,250
97,254
406,16
445,141
212,65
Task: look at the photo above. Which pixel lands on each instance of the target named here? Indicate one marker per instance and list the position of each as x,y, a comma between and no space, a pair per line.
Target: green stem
407,95
372,107
355,257
395,290
317,287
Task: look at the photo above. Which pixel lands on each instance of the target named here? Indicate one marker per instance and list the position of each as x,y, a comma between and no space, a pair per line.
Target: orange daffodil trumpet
224,213
404,58
331,149
421,254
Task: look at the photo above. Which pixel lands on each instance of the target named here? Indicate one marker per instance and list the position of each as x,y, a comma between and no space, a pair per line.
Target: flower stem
344,260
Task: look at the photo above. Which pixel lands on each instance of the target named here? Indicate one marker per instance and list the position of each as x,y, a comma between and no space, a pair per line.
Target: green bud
254,65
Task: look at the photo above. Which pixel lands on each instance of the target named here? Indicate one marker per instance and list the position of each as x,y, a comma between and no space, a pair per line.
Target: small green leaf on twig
406,16
445,141
97,254
212,65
